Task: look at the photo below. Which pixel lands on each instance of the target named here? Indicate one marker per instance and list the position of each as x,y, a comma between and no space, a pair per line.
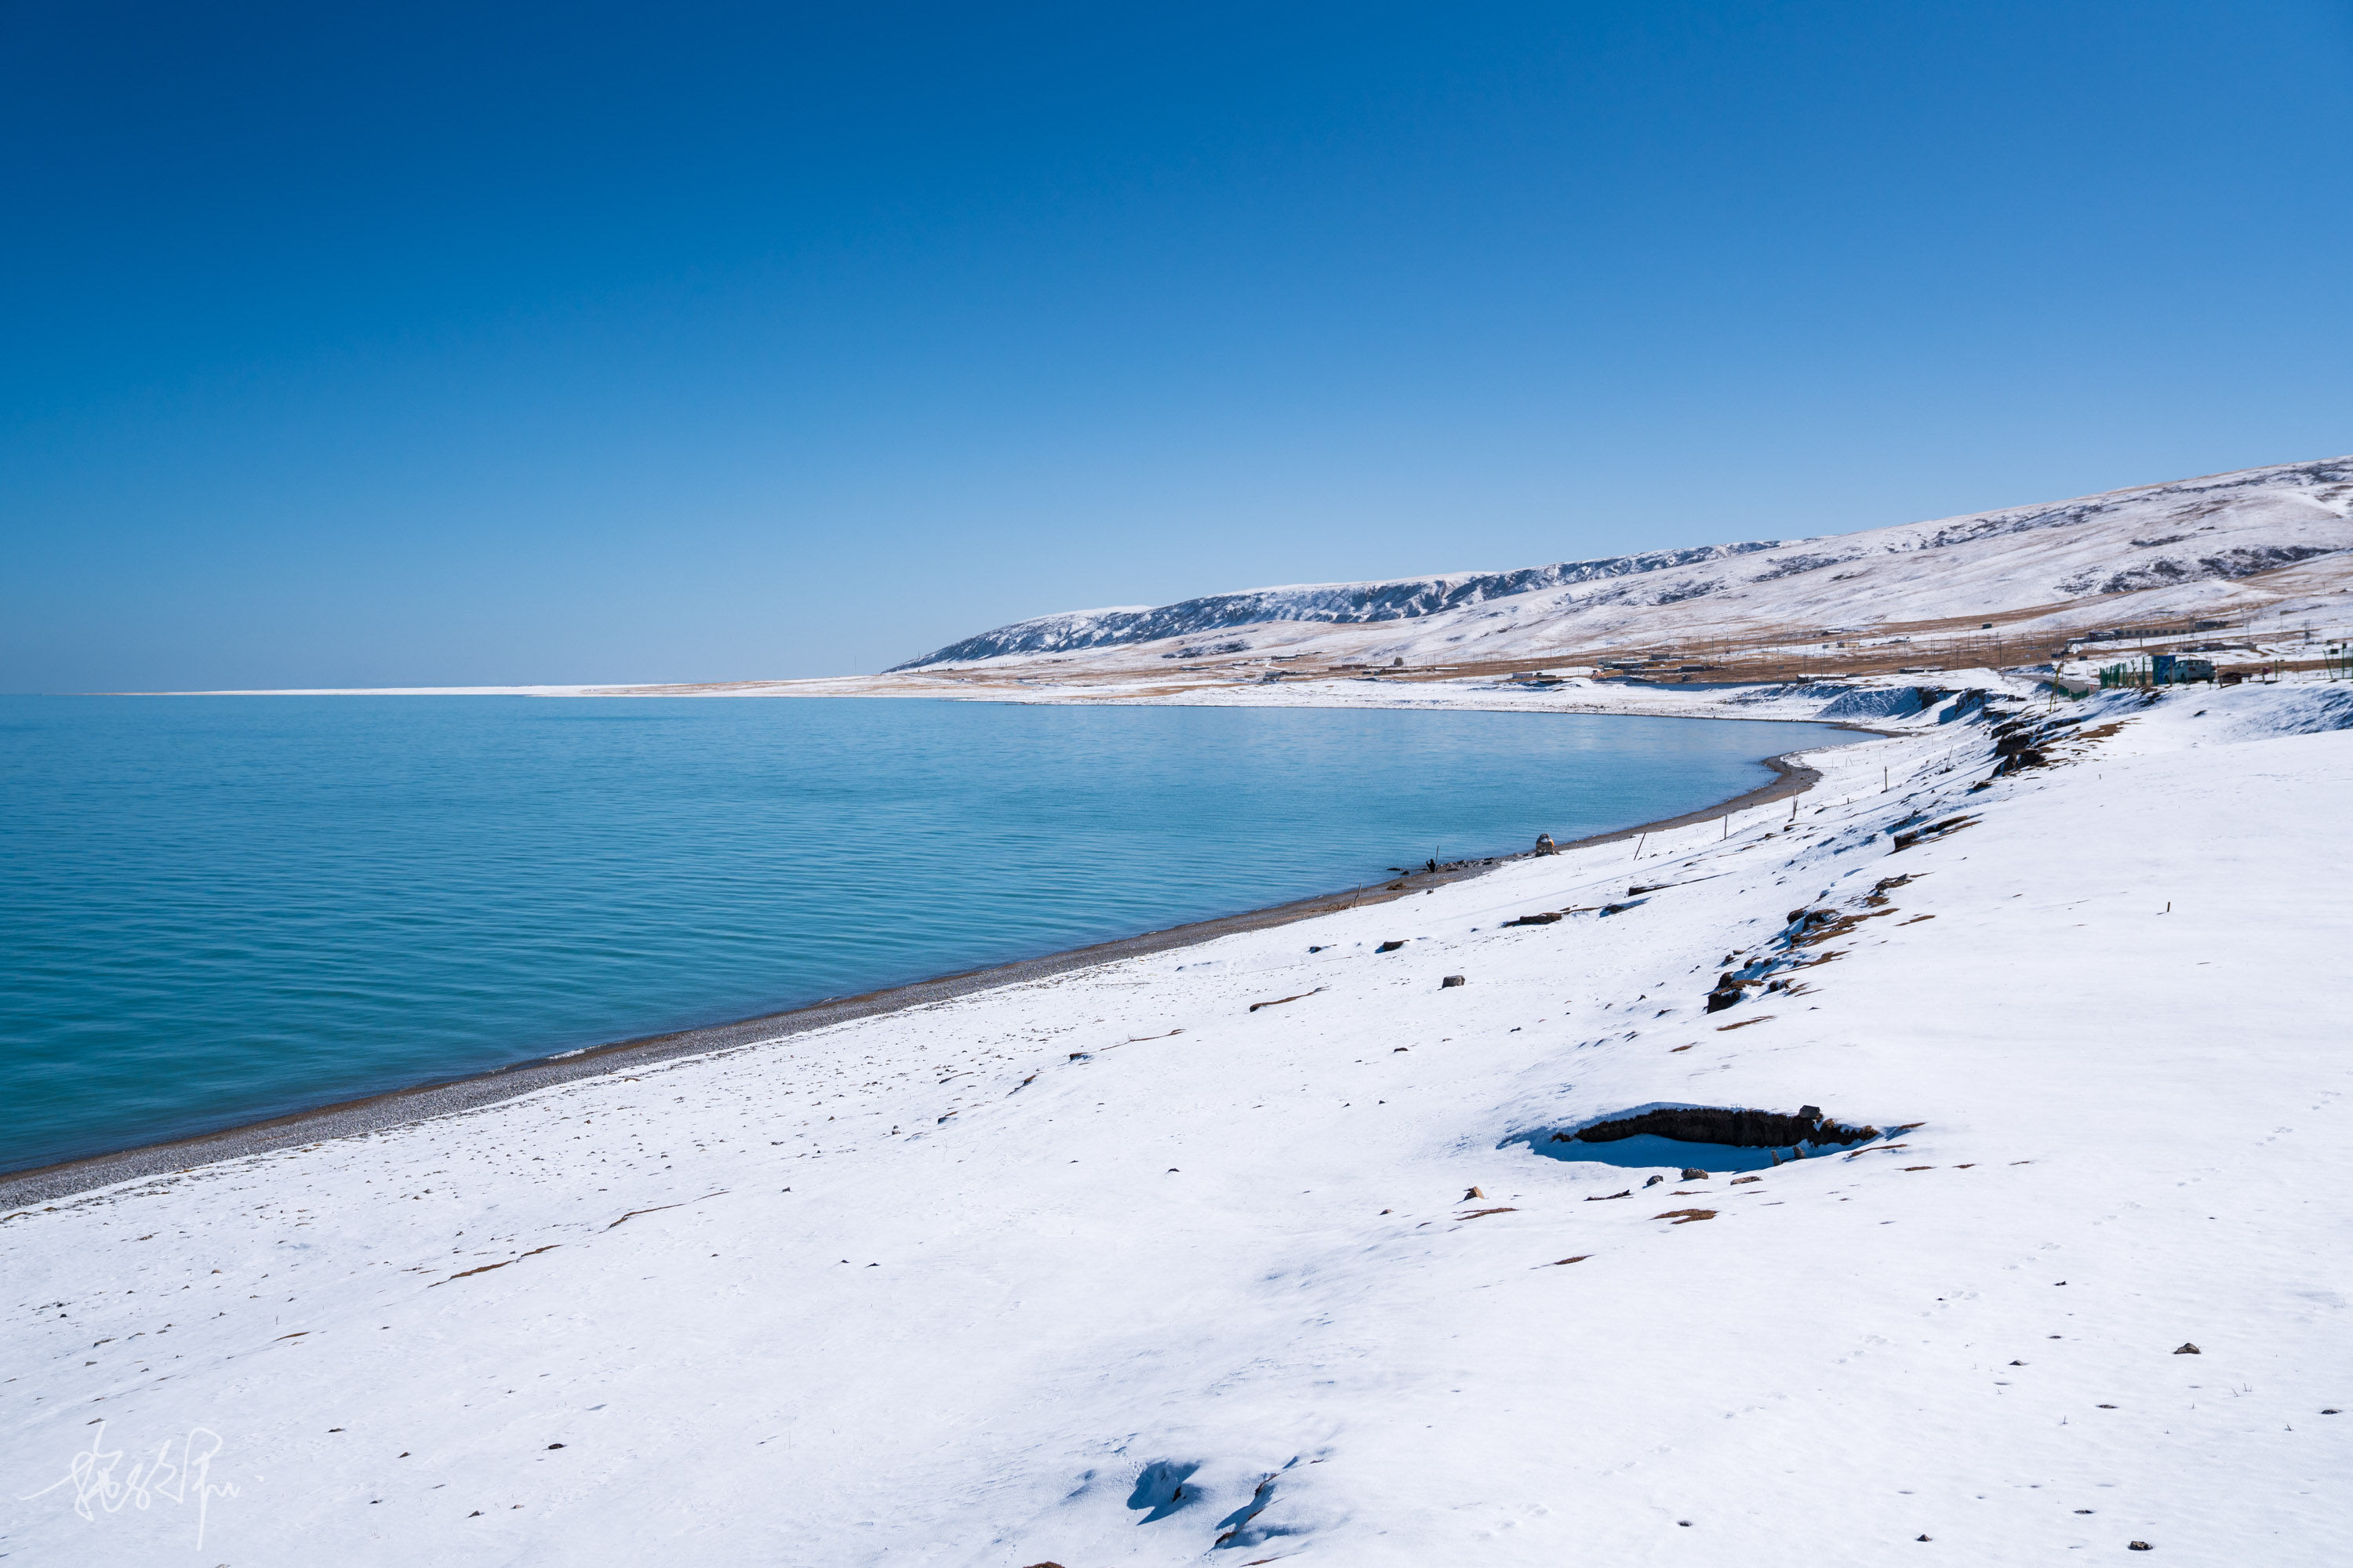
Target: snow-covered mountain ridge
1399,598
2181,549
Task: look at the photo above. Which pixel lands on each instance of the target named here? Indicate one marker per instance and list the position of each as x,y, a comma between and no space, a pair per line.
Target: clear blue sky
365,343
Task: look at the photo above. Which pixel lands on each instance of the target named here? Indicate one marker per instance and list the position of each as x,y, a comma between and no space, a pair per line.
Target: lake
218,909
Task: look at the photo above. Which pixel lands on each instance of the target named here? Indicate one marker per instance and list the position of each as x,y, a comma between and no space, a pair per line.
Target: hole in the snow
1705,1138
1162,1489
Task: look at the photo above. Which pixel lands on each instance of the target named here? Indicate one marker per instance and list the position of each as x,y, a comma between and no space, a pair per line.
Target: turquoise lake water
217,909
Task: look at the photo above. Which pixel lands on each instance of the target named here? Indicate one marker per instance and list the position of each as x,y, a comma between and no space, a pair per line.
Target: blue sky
426,343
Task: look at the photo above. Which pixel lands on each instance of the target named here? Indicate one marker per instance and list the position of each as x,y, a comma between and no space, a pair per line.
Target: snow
2271,542
1397,598
1108,1267
2265,556
1873,703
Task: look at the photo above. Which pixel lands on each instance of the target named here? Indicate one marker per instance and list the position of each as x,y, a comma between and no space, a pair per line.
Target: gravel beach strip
399,1107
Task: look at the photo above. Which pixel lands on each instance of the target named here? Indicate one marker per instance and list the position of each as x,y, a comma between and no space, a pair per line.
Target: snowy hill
2220,547
1403,598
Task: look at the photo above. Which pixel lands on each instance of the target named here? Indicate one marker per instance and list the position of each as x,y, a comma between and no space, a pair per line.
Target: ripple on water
219,909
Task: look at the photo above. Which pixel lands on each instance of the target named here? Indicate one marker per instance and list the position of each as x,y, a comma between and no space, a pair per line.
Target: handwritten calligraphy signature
91,1474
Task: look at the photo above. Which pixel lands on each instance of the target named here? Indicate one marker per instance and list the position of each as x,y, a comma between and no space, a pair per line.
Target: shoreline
1300,1229
473,1091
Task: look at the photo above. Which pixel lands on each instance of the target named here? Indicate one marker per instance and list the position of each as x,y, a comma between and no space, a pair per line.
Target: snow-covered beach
1255,1246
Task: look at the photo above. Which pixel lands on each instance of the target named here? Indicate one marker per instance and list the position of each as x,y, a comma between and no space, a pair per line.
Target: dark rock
1709,1124
1653,1182
1933,831
1451,981
1388,946
1692,1175
2189,1350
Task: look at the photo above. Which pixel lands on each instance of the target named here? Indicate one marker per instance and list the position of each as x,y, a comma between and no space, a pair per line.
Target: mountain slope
1400,599
2187,548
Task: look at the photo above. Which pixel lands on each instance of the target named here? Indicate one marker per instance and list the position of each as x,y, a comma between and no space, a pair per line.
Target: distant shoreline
427,1101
